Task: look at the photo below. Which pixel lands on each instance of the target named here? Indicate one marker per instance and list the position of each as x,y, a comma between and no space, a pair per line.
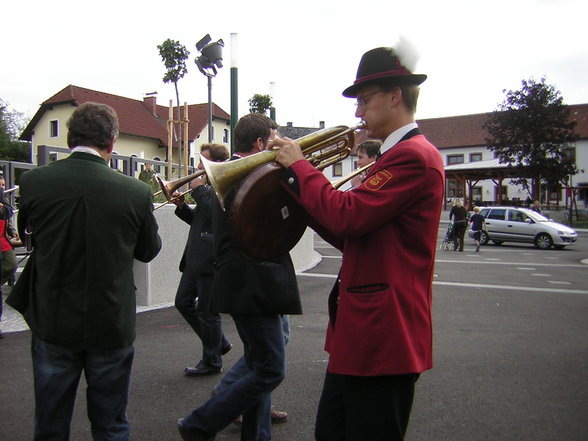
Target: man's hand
178,201
289,151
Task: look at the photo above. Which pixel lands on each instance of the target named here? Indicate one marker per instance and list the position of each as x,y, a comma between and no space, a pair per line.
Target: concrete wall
158,280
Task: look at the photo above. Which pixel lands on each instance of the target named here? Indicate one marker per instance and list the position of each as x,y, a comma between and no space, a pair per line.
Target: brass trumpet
169,187
322,148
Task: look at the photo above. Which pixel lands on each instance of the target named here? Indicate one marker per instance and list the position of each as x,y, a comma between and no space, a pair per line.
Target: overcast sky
470,50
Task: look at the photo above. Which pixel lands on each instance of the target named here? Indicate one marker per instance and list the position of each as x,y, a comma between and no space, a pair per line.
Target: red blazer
387,229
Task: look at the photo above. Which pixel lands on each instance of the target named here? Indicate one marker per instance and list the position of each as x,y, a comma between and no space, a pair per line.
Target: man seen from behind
77,293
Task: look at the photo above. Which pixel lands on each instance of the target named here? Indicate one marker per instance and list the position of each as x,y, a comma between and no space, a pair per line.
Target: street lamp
211,57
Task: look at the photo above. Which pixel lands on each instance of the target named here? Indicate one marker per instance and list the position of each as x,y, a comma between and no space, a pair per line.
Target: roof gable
136,117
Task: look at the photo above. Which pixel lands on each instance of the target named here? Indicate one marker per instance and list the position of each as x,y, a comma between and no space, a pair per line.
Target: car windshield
537,217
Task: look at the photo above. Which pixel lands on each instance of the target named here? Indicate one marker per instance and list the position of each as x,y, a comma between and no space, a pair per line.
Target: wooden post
170,130
185,121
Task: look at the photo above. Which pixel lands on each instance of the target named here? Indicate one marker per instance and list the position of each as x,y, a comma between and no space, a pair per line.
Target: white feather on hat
407,53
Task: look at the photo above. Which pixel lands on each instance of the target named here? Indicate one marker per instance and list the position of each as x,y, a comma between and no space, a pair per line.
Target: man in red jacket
380,334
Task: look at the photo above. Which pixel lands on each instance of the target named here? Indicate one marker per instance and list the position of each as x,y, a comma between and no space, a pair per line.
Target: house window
477,193
157,167
225,136
337,169
454,190
569,153
475,157
53,129
454,159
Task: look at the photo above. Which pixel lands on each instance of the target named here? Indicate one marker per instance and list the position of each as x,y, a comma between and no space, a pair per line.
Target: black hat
382,63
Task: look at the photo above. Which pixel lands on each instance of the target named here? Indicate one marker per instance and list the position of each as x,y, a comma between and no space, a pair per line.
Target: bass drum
265,221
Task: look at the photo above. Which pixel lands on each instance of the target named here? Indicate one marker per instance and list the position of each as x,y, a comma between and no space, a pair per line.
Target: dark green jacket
89,223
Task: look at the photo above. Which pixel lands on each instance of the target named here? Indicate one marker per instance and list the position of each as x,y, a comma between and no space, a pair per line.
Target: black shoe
192,434
199,371
226,349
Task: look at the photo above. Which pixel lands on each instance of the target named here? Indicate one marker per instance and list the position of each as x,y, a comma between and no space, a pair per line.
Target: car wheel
484,238
497,242
543,241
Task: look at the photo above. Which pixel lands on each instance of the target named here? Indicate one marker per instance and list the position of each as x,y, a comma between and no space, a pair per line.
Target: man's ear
396,95
259,144
111,144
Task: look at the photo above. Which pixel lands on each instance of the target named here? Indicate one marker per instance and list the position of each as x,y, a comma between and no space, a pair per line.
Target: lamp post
234,89
211,57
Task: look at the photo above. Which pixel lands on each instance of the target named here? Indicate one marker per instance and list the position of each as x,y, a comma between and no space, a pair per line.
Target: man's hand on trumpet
289,151
178,199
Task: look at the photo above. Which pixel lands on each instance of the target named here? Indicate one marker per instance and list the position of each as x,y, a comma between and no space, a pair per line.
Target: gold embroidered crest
378,180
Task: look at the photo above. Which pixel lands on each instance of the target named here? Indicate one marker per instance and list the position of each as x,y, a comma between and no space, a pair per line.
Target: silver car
514,224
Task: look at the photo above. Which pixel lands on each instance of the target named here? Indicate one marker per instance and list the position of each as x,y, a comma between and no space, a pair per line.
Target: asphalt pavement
511,356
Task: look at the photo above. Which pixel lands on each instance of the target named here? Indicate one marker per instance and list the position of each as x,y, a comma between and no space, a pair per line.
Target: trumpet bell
169,187
223,176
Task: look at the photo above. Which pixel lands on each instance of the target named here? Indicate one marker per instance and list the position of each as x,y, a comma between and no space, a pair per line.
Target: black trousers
355,408
459,229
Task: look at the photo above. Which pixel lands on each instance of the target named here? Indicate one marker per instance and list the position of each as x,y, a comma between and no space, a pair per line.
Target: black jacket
198,256
245,286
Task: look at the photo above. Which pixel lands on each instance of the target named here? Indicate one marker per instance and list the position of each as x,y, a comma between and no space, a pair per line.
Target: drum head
265,221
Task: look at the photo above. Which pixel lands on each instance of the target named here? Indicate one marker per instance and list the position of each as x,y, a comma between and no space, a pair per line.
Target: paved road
511,356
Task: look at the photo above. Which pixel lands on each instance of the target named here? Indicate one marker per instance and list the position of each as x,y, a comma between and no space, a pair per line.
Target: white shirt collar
84,149
396,136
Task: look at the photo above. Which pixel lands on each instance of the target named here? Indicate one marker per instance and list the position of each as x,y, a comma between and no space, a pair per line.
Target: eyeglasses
361,100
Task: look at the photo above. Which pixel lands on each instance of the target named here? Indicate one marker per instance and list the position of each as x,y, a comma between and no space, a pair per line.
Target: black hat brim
398,80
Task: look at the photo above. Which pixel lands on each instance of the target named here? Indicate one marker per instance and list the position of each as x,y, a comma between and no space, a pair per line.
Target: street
511,355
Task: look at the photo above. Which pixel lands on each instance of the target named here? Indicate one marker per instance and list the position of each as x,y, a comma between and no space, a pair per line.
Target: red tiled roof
135,117
466,130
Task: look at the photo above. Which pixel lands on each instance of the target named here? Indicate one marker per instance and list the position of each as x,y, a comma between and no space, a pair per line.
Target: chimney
150,102
321,124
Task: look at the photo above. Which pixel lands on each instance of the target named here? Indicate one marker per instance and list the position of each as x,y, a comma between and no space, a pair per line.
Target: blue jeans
206,325
239,370
57,374
249,395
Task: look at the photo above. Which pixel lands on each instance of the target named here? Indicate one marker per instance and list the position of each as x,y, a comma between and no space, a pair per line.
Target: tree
11,124
260,104
532,129
174,56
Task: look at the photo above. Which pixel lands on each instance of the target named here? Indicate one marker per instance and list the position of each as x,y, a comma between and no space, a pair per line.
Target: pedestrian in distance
478,223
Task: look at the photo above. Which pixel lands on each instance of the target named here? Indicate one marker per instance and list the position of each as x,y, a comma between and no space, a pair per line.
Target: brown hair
410,93
92,125
251,127
370,148
218,152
